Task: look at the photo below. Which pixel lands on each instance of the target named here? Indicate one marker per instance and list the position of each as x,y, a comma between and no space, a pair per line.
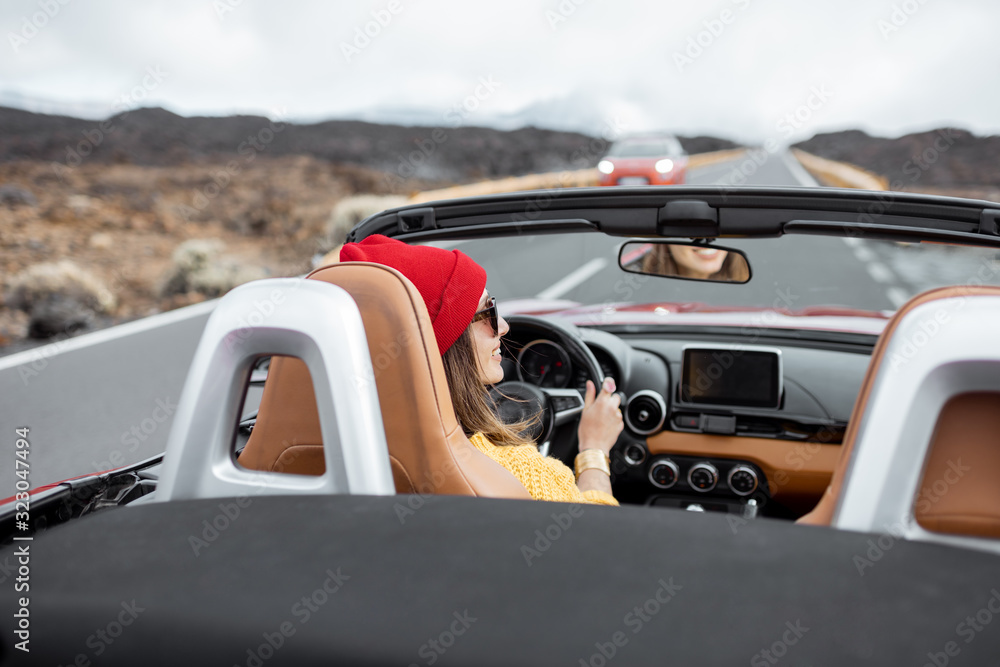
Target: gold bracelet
592,459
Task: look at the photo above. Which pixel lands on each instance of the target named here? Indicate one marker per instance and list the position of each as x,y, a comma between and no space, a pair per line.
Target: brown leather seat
428,450
968,428
959,493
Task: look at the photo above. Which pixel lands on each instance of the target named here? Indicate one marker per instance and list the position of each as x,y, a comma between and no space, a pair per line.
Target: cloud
563,63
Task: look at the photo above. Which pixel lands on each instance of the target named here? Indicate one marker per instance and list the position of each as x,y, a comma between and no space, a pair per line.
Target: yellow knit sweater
544,477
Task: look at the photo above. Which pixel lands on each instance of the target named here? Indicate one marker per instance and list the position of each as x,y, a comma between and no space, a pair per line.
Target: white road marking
798,171
573,279
864,253
111,333
879,272
897,296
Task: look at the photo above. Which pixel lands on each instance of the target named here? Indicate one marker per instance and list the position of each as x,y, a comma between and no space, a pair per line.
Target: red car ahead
648,160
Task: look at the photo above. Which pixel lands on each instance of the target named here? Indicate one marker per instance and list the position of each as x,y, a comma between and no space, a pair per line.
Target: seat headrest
959,493
428,450
822,514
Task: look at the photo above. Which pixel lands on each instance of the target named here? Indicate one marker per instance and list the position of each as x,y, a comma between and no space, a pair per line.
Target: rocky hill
946,159
156,137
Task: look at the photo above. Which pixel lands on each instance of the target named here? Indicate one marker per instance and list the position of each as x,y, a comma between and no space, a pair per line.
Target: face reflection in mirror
695,262
688,261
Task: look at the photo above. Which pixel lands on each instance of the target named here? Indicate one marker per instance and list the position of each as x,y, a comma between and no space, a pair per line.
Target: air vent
645,412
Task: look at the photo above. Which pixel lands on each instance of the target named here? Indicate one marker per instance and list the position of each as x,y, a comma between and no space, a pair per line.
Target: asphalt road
107,399
836,274
97,401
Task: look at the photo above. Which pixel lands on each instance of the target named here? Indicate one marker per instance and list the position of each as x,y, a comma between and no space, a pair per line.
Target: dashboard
546,363
712,422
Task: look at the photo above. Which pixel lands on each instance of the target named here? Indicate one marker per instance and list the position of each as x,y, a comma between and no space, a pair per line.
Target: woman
697,262
468,332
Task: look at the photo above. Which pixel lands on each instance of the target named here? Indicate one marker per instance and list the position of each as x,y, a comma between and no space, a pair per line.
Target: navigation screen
737,377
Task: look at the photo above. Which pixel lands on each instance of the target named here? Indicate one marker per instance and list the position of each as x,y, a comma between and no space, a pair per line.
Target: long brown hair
473,404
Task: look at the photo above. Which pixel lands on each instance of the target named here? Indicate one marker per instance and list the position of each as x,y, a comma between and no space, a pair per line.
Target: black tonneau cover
348,580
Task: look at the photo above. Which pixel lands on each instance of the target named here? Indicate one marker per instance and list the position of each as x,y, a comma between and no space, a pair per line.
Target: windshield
791,273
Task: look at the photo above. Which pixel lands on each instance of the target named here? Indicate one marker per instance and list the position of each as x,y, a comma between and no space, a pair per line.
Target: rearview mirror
687,261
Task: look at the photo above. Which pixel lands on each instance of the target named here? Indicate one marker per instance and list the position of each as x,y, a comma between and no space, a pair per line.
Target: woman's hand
600,425
601,421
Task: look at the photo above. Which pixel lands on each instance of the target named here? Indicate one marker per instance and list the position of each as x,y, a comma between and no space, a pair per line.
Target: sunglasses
489,313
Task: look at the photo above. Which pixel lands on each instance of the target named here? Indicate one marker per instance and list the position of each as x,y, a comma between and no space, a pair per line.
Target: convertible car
811,390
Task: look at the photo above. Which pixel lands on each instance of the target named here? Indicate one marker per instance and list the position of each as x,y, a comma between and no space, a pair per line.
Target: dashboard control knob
743,480
634,454
703,476
664,473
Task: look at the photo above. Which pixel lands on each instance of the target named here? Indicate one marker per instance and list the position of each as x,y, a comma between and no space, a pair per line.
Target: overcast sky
744,69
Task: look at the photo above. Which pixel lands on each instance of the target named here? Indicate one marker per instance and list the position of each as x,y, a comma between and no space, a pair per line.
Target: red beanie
448,280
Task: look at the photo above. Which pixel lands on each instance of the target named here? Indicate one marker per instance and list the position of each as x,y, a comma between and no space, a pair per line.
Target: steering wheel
521,401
